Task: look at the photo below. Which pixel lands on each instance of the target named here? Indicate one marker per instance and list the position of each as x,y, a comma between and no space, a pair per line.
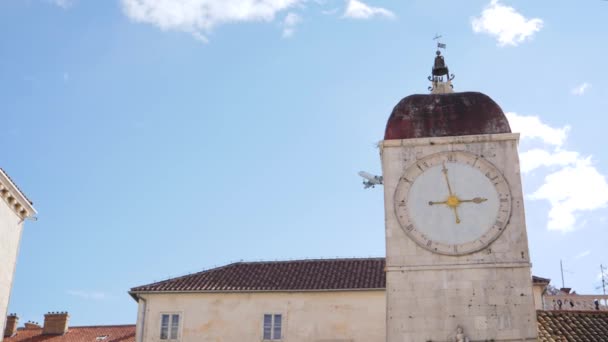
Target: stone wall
332,316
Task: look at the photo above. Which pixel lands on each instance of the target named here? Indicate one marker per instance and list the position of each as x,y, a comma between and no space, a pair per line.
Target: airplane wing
366,175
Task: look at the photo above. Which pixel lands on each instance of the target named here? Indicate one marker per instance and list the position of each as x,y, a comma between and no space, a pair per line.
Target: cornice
14,198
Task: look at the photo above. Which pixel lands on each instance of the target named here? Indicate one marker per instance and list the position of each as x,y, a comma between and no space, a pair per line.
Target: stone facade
14,209
308,316
487,293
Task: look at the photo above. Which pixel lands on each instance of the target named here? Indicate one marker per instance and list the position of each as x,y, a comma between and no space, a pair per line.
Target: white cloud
87,294
570,190
62,3
507,25
356,9
330,11
289,24
582,254
581,89
535,158
571,185
530,127
199,17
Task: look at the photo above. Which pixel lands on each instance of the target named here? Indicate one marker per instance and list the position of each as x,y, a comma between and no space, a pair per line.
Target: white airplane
371,180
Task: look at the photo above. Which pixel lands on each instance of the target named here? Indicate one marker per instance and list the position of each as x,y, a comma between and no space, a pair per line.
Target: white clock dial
453,202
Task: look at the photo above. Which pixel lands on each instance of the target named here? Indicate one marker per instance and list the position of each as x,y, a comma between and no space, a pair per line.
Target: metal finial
440,69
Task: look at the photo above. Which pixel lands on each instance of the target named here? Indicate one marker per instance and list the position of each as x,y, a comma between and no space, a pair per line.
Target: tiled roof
572,326
114,333
323,274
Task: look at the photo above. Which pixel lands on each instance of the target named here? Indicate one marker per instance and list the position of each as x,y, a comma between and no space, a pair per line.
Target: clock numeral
481,241
455,249
429,243
493,178
423,165
402,204
504,200
405,179
409,227
451,157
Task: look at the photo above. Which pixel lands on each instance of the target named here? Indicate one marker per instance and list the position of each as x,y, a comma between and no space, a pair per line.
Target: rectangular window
272,326
169,326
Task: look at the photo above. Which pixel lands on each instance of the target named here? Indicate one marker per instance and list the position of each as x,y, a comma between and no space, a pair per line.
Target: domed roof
446,114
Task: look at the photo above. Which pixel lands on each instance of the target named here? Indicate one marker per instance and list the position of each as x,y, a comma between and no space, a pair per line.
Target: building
309,300
56,329
456,238
296,301
457,264
14,209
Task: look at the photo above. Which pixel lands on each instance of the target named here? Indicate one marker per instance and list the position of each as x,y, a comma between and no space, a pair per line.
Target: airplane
371,180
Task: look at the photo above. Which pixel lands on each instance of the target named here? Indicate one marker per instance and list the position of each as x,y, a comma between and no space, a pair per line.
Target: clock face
453,203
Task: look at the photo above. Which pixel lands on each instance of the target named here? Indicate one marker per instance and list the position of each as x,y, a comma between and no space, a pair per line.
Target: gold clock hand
475,200
445,175
456,214
433,203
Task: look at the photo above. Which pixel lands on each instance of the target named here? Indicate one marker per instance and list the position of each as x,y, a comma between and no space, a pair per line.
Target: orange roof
114,333
572,326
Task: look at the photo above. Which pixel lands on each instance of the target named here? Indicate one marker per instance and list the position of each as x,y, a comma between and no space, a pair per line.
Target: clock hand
475,200
444,170
456,214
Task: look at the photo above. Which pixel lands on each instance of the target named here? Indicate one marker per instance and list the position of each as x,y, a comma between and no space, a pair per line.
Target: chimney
11,325
32,325
55,323
566,289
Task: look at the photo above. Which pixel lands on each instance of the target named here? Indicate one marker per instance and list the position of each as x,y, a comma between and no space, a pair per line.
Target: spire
440,70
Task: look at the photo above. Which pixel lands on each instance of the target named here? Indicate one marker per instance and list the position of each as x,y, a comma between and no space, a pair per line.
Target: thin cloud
62,3
356,9
289,24
582,255
200,17
89,295
572,184
504,23
581,89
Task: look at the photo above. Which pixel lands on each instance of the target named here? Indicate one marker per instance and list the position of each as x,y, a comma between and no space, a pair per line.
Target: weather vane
440,69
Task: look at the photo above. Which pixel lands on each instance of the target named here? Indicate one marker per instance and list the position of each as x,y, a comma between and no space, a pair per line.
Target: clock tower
457,261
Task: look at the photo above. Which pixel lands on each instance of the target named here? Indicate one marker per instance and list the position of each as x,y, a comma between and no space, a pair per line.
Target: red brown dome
441,115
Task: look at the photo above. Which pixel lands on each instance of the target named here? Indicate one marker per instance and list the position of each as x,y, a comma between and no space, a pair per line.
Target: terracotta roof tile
323,274
115,333
572,326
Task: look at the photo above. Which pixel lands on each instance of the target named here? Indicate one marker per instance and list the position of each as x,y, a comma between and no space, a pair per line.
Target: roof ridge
241,262
308,260
188,275
590,311
101,326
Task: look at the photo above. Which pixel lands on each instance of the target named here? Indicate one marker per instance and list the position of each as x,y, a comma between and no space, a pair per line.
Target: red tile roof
322,274
115,333
572,326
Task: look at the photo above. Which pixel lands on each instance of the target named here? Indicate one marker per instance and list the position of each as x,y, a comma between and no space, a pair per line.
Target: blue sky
159,138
